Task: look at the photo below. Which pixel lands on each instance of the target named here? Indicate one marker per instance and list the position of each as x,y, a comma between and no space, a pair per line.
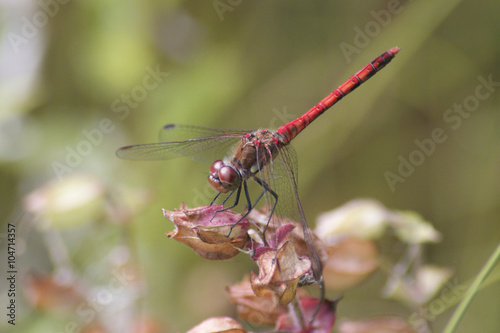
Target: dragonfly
263,156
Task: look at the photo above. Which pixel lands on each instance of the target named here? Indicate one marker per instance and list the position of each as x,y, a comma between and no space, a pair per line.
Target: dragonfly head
224,178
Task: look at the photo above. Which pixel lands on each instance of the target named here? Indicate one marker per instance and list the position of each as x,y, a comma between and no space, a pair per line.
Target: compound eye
215,167
227,175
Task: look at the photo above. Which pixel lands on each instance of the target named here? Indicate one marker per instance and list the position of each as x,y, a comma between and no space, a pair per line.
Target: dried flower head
279,273
286,230
252,308
212,233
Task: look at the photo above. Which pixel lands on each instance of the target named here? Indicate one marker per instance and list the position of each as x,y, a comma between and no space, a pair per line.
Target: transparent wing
288,155
176,132
199,143
282,177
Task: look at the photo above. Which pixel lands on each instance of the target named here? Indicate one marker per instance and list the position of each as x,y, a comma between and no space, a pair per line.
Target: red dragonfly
264,156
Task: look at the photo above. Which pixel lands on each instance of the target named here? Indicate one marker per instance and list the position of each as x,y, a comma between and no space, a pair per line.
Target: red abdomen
293,128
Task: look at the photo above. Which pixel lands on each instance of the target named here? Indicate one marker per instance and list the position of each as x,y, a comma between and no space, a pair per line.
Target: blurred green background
245,64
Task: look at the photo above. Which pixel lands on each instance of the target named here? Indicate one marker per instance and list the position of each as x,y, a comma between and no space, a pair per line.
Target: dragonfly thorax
223,177
255,151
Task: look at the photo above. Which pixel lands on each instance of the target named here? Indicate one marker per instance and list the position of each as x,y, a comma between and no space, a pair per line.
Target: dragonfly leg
227,197
237,199
266,188
216,196
247,195
250,207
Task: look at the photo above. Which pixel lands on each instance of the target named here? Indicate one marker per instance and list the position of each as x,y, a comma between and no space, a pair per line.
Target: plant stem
470,293
296,312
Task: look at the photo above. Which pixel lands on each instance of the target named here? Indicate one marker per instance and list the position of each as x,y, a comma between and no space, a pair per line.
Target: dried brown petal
279,274
254,309
287,230
349,262
218,324
377,325
207,233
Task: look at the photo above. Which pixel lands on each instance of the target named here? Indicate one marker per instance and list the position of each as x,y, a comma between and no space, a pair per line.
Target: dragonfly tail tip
394,50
